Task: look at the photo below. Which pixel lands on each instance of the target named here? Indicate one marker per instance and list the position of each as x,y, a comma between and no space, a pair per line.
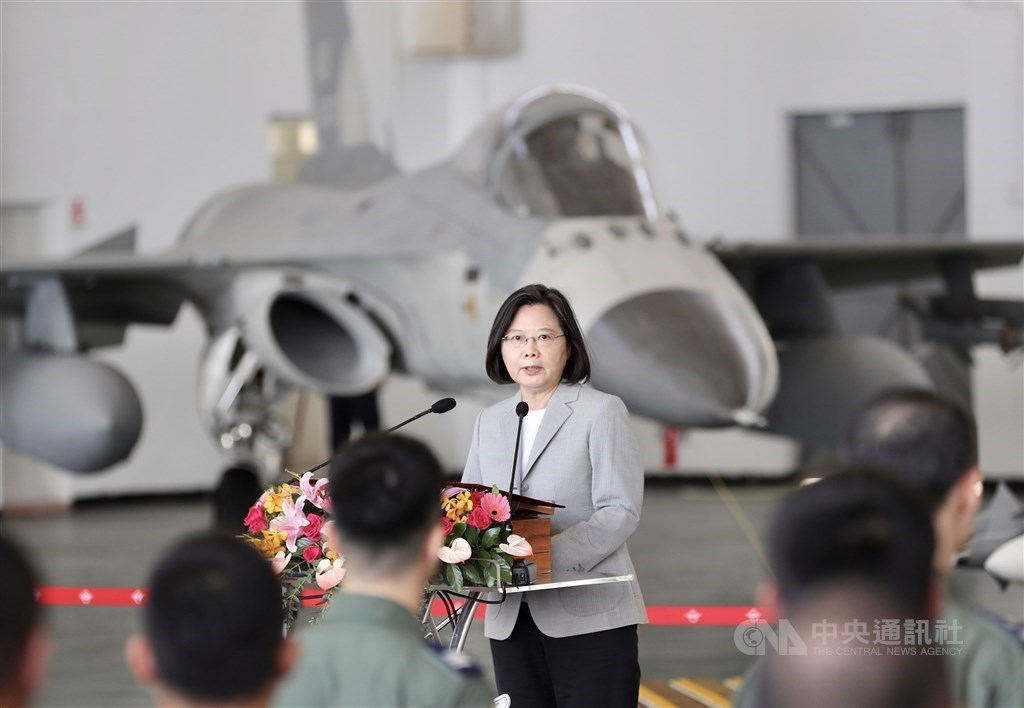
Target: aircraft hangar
757,126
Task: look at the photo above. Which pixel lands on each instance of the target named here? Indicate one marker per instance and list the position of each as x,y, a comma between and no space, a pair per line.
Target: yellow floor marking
733,683
694,690
741,518
650,699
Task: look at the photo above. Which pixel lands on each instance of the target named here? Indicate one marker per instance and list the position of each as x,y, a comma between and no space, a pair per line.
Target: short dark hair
924,439
826,678
214,618
385,491
21,611
854,525
577,366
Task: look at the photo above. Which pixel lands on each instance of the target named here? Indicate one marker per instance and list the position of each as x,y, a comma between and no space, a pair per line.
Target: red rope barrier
660,615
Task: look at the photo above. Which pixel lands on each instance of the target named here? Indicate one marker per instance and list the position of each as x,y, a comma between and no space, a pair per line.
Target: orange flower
269,542
273,501
458,506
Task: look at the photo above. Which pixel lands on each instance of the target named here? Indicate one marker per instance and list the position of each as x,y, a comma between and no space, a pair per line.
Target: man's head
825,675
931,444
24,647
853,527
385,493
212,625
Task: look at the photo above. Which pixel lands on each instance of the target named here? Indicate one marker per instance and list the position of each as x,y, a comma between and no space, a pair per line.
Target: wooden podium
537,531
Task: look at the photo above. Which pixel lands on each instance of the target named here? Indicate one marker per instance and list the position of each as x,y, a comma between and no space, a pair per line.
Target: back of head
832,673
214,619
385,491
853,526
20,613
918,436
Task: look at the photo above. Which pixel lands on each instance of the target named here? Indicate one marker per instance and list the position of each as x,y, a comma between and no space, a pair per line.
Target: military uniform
986,672
369,651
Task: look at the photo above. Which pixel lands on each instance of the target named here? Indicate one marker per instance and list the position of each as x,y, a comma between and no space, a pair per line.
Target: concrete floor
688,550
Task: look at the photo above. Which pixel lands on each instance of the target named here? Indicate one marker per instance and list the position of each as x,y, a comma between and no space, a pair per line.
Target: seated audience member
212,626
834,673
930,444
851,528
24,644
369,649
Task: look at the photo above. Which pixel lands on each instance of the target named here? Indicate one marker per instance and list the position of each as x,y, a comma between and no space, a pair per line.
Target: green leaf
505,563
491,573
491,537
494,489
458,530
472,536
473,575
457,583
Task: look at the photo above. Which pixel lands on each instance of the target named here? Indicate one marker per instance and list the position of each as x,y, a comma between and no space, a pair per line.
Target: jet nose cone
685,357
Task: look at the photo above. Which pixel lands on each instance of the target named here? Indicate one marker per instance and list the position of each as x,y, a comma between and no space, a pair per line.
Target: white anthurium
456,553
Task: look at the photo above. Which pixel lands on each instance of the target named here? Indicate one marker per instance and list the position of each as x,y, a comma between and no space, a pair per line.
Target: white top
531,424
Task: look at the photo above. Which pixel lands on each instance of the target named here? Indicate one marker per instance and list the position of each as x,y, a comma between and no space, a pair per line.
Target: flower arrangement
478,546
288,524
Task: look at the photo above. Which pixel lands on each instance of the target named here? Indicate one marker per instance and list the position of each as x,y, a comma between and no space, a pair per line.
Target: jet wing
105,293
109,290
847,264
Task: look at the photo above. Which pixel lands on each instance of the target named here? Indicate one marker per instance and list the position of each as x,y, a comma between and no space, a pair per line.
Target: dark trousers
345,410
592,670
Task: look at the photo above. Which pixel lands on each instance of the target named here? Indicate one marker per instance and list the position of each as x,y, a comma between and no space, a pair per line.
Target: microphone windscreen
522,408
443,406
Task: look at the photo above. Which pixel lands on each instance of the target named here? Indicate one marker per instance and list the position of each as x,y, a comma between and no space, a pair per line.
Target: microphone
522,408
524,572
442,406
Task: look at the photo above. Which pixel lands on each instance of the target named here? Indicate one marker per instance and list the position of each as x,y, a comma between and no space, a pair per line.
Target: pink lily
517,547
456,553
329,574
316,492
290,522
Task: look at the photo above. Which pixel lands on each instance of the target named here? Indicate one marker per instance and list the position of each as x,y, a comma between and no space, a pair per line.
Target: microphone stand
524,572
521,410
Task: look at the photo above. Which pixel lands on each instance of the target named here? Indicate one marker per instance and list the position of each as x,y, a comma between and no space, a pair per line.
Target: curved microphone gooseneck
442,406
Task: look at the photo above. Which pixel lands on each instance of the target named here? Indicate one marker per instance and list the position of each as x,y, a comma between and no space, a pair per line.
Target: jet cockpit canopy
561,151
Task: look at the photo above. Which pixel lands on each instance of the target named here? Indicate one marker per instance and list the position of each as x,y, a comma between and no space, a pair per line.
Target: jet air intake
318,339
682,357
72,412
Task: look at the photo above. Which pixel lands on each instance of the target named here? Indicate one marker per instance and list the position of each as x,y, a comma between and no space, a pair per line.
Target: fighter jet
356,271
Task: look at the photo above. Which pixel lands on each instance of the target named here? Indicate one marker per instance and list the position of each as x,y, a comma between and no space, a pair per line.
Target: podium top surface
555,581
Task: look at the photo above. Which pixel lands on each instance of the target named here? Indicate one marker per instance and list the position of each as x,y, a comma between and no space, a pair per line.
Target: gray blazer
585,457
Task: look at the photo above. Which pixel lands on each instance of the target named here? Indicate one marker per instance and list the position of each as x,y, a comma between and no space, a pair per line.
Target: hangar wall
143,110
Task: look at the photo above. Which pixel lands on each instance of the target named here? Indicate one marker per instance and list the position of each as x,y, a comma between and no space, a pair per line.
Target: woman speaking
576,646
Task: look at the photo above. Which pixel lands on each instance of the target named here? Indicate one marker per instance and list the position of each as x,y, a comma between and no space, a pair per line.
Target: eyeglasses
518,341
